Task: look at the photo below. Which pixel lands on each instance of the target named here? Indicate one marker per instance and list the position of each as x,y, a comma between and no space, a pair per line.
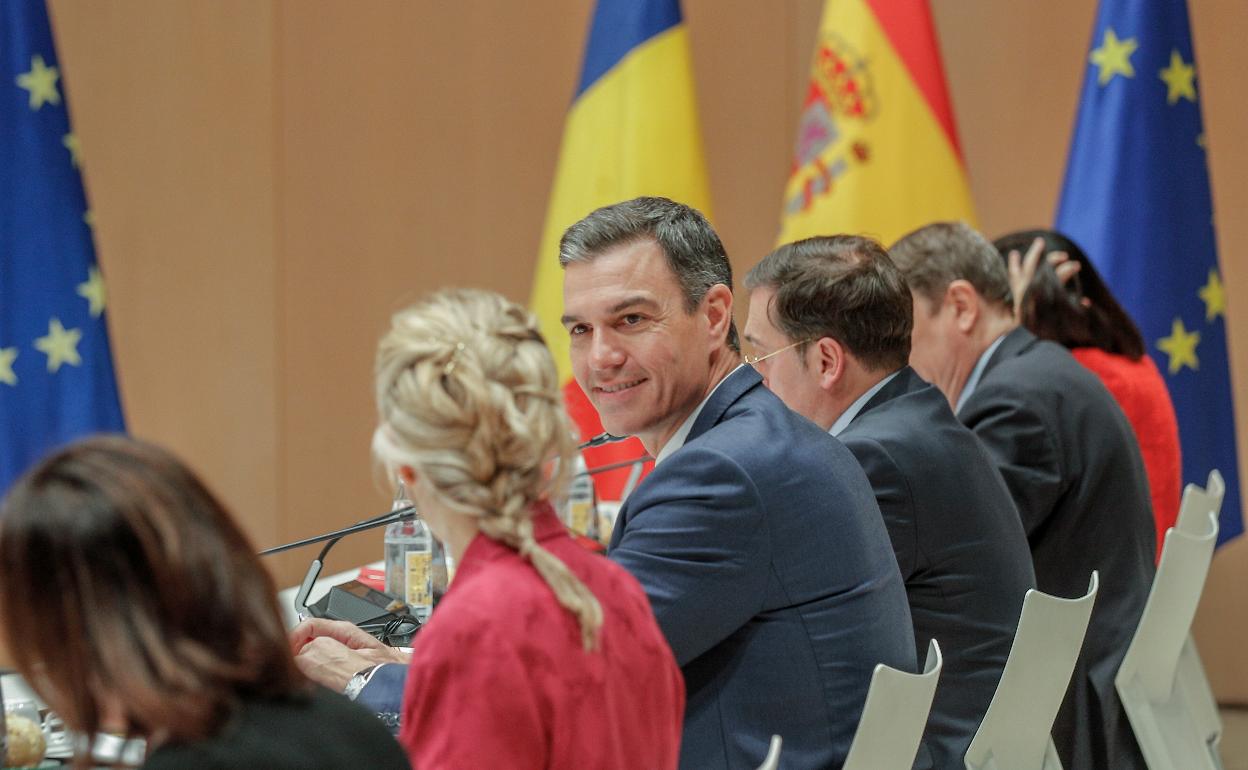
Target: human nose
604,352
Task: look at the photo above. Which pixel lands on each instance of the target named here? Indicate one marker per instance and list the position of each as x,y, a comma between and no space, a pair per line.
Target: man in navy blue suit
757,536
838,313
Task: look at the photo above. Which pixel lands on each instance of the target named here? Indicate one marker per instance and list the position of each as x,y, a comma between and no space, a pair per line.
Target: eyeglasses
754,360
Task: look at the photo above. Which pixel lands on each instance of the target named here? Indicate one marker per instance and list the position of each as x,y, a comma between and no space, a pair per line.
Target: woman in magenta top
541,654
1067,302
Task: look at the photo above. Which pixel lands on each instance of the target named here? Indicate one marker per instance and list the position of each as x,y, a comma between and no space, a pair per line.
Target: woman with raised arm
1062,298
132,603
541,654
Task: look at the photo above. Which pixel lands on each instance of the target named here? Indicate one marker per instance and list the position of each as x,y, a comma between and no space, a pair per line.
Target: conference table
108,750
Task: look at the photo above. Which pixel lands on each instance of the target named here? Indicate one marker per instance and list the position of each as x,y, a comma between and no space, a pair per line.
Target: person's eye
632,319
577,330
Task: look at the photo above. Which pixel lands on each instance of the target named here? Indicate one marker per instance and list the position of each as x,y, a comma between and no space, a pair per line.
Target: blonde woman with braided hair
541,654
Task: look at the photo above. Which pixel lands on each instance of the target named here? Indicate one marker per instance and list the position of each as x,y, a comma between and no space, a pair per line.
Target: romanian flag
1137,199
56,371
877,150
632,130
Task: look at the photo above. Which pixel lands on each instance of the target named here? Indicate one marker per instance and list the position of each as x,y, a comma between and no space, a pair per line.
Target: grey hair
938,254
693,250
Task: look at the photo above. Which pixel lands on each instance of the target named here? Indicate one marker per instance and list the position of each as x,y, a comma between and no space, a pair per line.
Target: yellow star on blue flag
1136,197
56,371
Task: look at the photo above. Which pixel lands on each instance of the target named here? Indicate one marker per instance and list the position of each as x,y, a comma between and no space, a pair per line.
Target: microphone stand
403,514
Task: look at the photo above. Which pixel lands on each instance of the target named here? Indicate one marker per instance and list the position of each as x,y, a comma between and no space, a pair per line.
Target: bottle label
417,579
579,513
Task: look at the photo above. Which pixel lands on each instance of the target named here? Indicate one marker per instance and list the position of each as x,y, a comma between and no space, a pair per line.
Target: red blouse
1138,388
499,678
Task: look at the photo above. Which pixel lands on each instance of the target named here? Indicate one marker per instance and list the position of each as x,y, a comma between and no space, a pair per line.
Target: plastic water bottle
440,577
409,561
580,510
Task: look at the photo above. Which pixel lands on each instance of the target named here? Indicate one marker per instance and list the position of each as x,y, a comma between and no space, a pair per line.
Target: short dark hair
693,250
938,254
840,286
115,550
1056,312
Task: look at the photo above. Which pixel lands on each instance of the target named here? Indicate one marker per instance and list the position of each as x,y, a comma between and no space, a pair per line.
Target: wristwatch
358,681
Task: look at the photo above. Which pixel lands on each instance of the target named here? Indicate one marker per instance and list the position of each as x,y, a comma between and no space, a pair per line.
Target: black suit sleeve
1023,446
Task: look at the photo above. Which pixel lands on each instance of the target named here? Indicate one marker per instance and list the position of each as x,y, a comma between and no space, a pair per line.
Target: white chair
894,716
1197,503
1015,733
772,760
1156,701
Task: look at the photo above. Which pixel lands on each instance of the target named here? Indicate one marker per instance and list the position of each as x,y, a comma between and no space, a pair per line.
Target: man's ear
827,358
966,304
717,304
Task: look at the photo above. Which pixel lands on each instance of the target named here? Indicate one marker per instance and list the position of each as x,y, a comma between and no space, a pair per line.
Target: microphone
369,609
403,514
602,438
409,512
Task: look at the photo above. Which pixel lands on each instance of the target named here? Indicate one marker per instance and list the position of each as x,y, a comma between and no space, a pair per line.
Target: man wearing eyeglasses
756,536
835,314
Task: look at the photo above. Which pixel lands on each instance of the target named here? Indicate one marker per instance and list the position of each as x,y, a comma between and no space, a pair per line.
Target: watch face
356,683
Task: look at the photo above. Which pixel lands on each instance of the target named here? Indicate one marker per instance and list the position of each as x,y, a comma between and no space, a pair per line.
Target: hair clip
449,366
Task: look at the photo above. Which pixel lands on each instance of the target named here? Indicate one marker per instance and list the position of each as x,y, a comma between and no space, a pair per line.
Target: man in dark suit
756,536
1067,454
836,314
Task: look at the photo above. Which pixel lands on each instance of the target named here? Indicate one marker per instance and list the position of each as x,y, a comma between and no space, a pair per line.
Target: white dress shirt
682,433
849,414
973,381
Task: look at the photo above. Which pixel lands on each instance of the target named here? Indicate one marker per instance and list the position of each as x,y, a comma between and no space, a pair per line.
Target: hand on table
330,652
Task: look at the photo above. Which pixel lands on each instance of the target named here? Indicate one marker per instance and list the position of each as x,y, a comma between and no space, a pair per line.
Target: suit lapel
1014,344
733,387
905,382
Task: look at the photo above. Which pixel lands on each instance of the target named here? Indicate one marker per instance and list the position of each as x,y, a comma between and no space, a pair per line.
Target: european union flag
1136,197
56,372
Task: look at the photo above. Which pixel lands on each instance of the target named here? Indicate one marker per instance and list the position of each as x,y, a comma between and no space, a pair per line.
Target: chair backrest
1160,691
772,760
1198,503
1153,654
1190,676
1016,729
894,716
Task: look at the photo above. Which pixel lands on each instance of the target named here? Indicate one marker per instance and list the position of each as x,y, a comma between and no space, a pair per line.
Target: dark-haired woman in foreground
1063,299
132,603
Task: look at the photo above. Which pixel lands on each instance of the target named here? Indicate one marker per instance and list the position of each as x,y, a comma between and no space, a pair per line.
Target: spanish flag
632,130
877,150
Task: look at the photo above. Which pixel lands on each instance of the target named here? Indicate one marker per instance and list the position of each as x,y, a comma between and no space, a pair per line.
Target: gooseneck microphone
403,514
602,438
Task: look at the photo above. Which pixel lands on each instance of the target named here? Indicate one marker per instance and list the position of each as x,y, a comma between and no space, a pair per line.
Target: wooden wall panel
417,151
172,103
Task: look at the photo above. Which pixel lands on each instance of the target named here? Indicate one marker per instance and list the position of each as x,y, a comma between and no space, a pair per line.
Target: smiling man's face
641,358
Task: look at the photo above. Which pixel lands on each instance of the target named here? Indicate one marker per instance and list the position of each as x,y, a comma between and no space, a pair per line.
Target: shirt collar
682,433
972,382
850,413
